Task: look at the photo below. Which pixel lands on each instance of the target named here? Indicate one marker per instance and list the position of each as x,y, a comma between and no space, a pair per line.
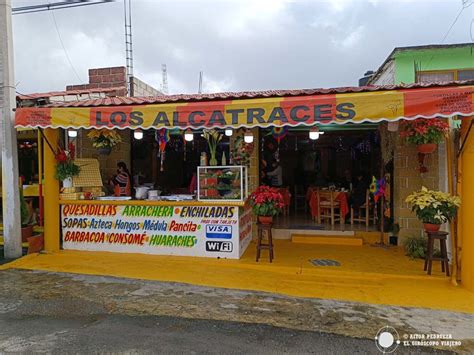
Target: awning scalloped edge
266,125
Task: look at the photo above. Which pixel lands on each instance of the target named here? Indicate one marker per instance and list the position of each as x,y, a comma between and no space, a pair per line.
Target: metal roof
121,101
45,95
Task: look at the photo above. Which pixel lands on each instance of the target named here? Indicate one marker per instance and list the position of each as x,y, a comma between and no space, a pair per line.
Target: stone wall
407,178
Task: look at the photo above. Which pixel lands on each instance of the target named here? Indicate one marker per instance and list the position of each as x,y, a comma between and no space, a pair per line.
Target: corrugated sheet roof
120,101
45,95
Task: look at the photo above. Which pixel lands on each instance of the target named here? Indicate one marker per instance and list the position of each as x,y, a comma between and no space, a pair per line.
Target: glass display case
222,183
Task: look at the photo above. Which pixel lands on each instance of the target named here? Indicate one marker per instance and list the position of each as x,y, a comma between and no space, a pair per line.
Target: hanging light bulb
188,135
314,133
71,133
138,134
248,137
228,132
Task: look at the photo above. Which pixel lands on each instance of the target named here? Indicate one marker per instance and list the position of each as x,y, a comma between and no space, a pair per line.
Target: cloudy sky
239,45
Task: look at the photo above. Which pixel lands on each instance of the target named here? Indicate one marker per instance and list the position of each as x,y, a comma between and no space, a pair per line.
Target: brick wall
115,77
407,179
108,163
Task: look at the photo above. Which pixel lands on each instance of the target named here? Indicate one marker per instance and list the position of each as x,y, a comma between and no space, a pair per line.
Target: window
435,77
444,75
466,74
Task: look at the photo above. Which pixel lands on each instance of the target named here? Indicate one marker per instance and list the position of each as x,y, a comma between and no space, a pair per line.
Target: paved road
58,313
152,334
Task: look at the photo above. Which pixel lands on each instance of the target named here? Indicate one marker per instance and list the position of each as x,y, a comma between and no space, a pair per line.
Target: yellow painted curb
367,275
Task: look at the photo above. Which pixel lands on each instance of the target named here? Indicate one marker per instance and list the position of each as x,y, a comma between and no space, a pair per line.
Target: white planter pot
67,182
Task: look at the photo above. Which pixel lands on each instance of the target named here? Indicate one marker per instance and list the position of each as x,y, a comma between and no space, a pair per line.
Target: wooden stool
260,244
442,237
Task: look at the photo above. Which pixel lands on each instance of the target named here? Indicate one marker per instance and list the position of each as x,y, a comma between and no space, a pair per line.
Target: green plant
432,206
424,130
24,213
104,138
266,201
415,247
65,166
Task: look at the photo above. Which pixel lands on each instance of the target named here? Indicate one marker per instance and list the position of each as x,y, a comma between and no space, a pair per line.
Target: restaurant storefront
211,223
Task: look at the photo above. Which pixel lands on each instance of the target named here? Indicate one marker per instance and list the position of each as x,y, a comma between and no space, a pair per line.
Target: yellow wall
466,213
51,193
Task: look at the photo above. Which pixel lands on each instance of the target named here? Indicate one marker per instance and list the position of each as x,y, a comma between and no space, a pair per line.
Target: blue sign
218,231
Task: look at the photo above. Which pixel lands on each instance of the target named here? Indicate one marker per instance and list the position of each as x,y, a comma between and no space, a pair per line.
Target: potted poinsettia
426,133
433,208
65,166
266,202
104,140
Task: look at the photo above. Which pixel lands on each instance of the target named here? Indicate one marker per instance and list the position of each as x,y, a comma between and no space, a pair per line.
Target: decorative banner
376,106
208,231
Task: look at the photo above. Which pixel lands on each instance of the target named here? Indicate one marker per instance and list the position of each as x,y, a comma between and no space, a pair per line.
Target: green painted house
406,65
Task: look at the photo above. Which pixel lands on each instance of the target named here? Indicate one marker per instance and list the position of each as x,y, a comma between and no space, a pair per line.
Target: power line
56,6
64,48
465,5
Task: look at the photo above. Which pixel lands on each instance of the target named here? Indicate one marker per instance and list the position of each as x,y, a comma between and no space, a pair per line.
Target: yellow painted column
51,192
466,211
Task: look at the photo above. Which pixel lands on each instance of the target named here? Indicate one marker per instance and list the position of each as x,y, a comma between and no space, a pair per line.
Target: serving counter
188,228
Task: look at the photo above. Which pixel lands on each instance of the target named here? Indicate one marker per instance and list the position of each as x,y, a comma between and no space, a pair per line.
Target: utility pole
10,184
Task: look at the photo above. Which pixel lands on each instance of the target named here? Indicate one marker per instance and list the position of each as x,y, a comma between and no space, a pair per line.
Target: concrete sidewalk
95,302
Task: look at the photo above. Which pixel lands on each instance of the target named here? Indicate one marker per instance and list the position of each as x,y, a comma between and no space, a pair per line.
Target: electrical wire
454,22
64,48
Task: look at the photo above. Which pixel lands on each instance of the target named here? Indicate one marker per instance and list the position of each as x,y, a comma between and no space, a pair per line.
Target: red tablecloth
286,195
341,197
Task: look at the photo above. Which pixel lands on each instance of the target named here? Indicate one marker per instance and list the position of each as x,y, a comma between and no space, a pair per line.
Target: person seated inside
359,191
276,175
346,181
121,182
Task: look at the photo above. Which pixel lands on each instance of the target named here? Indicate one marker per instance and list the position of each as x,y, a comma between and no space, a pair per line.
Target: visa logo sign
224,247
218,231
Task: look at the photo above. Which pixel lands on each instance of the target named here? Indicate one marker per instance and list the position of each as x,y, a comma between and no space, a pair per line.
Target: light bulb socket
72,133
248,137
138,134
188,135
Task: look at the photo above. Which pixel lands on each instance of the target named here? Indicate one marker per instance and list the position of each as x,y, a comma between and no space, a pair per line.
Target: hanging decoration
340,146
296,143
364,147
241,151
279,133
162,137
387,142
377,188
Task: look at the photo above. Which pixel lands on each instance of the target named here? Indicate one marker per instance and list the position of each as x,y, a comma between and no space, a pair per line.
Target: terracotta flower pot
265,219
26,232
430,227
426,148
